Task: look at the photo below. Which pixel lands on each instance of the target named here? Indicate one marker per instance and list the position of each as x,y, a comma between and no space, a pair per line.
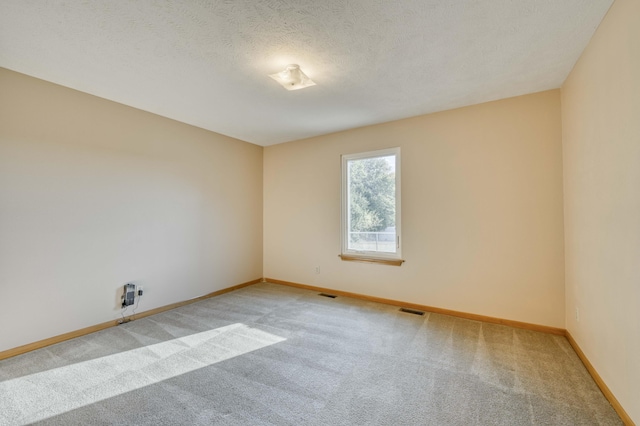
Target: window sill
381,261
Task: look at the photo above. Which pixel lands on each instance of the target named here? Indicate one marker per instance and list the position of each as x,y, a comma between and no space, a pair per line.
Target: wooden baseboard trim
196,299
475,317
601,384
56,339
92,329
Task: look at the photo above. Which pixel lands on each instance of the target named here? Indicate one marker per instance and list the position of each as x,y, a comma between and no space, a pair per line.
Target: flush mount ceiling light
292,78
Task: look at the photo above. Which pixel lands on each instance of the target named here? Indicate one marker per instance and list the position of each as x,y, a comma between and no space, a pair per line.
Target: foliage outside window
371,204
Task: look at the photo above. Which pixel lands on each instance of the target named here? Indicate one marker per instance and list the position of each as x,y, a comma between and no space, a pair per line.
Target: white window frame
347,253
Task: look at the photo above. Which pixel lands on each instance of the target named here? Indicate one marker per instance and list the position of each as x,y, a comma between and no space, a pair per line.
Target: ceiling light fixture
292,78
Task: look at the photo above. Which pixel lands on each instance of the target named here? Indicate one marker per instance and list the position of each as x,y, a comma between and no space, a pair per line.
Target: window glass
371,203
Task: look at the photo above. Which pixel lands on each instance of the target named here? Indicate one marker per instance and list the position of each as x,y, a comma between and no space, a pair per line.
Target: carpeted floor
269,354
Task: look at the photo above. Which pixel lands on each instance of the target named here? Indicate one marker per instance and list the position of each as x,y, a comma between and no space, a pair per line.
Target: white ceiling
206,62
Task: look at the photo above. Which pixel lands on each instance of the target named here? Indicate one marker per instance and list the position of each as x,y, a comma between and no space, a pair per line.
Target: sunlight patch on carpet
49,393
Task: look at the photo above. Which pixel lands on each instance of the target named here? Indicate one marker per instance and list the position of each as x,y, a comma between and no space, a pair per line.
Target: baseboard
196,299
475,317
601,384
92,329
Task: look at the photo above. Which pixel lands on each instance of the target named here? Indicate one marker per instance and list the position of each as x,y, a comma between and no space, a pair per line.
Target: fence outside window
384,241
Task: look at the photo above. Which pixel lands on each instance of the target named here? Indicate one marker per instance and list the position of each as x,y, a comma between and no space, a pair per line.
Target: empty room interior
297,212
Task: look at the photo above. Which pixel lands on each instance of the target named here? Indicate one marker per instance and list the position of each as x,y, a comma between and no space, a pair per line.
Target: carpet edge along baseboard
92,329
475,317
601,384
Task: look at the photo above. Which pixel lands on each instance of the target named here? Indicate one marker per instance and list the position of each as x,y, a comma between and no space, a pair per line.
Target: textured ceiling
207,62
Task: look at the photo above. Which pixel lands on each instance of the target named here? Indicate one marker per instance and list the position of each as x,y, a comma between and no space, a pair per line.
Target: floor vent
331,296
411,311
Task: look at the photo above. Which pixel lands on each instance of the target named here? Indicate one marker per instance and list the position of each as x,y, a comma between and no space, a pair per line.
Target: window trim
370,256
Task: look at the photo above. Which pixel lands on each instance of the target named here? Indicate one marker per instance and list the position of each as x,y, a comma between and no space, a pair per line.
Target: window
371,206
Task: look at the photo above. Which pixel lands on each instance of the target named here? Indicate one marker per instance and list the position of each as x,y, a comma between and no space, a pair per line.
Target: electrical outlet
128,295
317,270
577,314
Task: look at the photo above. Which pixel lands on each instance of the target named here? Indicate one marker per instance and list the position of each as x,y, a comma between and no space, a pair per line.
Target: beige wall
601,139
481,210
94,194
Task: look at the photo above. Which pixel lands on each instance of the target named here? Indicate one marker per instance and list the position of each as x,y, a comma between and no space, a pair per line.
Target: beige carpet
269,354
